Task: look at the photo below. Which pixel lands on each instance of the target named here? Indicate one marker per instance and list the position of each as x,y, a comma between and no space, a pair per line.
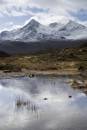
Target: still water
41,103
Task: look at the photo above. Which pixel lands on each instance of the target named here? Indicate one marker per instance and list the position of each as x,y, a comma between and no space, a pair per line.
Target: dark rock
70,96
45,98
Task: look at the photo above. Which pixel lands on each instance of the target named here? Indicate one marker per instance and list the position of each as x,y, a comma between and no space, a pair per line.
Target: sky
16,13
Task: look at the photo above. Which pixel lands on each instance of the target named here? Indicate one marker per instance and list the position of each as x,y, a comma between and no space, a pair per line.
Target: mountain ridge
35,31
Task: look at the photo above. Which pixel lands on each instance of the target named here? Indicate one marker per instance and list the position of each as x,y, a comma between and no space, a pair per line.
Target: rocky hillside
35,31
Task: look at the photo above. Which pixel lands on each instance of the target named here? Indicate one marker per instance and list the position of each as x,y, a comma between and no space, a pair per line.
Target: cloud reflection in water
57,112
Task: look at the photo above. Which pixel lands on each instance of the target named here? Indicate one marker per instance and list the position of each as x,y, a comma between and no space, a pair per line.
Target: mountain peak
73,23
33,30
33,22
73,26
53,24
31,25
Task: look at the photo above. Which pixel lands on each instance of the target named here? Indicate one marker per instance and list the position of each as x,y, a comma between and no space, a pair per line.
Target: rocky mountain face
35,31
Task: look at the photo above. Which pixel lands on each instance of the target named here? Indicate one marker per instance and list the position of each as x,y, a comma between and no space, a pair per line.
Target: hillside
26,48
69,59
4,54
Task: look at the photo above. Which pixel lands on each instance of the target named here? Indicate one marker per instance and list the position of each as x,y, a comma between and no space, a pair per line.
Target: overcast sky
16,13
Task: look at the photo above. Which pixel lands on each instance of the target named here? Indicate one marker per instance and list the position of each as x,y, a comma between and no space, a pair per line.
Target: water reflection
41,103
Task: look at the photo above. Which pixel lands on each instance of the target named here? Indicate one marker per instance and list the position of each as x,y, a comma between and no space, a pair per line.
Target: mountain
18,47
72,26
35,31
4,54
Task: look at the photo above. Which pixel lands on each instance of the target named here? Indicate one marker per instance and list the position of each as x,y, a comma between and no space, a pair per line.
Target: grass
73,59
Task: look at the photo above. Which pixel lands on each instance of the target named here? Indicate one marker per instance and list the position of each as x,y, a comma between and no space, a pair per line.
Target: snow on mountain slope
73,26
73,30
34,31
81,34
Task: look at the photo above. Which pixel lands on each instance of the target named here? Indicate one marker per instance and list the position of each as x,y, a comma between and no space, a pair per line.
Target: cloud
75,4
8,26
81,14
45,11
2,2
47,18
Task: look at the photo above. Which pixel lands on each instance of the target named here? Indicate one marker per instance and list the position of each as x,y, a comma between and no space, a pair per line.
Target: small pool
41,103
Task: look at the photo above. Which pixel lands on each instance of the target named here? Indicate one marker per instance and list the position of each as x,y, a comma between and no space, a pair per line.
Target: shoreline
29,73
74,77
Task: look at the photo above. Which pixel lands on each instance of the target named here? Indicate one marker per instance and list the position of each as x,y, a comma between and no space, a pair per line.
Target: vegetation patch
66,59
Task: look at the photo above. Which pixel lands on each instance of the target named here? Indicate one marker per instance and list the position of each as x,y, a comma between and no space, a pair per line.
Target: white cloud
58,9
64,4
8,26
49,18
53,5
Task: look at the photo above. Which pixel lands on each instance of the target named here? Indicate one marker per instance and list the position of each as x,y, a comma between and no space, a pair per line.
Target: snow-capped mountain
35,31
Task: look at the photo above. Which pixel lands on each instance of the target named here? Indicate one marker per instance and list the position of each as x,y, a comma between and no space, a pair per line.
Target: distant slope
16,47
4,54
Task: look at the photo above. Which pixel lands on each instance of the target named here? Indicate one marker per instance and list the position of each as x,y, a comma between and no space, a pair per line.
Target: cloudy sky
16,13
